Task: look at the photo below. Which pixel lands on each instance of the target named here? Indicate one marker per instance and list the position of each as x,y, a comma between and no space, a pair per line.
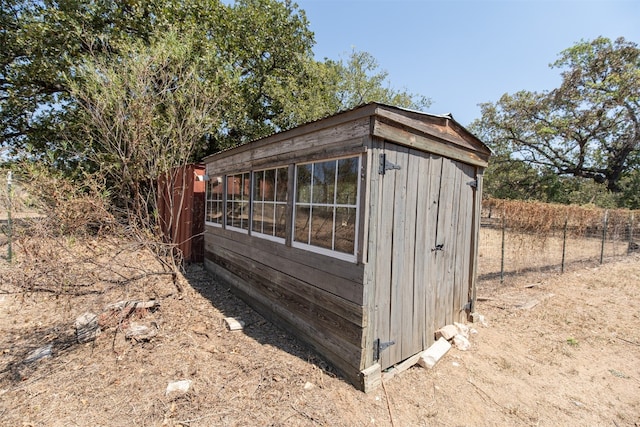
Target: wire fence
522,237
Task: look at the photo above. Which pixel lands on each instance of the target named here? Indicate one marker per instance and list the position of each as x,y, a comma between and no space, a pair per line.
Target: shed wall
317,297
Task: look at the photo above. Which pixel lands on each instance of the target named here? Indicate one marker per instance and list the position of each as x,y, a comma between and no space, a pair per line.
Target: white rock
447,332
461,342
140,332
40,353
308,386
462,329
181,386
433,354
234,324
87,328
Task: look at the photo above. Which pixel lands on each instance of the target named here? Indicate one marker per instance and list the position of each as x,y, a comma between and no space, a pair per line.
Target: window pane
345,230
214,205
238,200
282,182
269,201
322,227
324,175
281,221
347,181
303,184
269,185
258,186
258,210
302,224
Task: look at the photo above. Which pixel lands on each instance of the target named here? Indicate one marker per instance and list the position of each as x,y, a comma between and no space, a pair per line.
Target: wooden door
423,251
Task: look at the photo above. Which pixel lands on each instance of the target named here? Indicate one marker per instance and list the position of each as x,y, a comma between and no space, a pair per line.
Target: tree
144,114
266,43
360,80
589,127
41,41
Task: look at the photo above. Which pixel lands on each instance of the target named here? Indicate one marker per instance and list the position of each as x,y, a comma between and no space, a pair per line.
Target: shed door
423,250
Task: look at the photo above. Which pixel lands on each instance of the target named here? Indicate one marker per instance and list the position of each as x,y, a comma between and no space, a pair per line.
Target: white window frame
219,181
275,203
319,250
227,201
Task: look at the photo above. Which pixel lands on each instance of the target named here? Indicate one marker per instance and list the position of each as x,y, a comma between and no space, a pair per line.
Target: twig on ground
627,341
304,414
386,395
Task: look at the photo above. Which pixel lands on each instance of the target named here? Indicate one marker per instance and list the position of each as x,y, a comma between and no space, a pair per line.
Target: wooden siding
318,298
428,144
345,138
443,128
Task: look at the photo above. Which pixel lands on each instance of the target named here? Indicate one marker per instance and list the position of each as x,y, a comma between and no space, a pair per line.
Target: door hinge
386,165
380,346
473,184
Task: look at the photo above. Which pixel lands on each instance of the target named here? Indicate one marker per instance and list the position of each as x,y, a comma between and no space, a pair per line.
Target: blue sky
462,53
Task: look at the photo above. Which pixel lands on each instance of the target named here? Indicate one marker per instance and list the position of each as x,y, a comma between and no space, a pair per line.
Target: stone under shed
358,232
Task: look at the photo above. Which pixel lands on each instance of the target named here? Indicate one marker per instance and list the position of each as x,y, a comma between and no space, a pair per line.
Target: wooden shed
357,232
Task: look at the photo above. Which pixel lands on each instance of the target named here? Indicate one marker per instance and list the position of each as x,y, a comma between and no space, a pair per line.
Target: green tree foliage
268,44
41,41
60,90
265,43
587,128
359,80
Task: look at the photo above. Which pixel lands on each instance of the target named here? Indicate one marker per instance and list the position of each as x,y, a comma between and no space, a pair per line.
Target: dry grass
544,219
572,359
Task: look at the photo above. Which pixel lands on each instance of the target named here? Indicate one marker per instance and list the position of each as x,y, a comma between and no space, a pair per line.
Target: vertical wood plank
421,250
463,241
475,235
406,284
371,281
432,257
383,258
398,272
447,222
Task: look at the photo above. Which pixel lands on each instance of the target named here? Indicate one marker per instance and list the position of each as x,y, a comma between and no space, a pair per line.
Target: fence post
604,234
9,222
630,235
504,224
564,243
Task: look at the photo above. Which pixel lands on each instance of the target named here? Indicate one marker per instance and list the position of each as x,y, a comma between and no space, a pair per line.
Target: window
237,198
270,203
214,203
326,207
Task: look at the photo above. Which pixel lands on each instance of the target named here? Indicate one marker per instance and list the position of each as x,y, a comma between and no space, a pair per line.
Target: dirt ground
555,350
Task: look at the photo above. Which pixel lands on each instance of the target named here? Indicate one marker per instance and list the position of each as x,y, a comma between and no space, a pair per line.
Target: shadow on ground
255,325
